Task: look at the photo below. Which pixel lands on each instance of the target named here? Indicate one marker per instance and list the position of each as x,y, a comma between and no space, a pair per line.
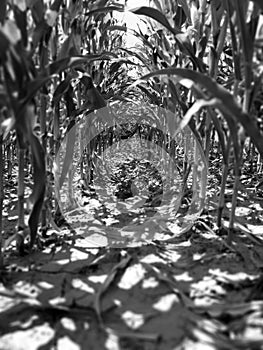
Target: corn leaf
227,105
196,107
182,39
104,10
157,16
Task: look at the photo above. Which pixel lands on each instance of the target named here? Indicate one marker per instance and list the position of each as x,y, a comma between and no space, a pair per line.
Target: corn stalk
2,162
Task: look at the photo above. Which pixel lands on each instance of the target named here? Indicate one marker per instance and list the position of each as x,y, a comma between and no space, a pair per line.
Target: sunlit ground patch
134,176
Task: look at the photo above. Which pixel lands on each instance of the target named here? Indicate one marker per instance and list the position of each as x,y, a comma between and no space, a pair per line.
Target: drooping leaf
59,66
61,89
228,105
196,107
177,99
93,98
157,16
105,9
64,63
153,97
182,39
69,62
186,47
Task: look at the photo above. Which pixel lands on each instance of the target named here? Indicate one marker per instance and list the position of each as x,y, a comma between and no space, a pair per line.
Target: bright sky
133,21
136,3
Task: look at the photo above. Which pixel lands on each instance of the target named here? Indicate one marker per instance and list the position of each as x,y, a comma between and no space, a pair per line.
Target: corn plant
199,59
198,41
1,197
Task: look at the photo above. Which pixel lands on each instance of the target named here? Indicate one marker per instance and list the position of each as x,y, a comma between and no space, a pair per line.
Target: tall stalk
21,188
1,198
9,150
43,130
246,38
221,202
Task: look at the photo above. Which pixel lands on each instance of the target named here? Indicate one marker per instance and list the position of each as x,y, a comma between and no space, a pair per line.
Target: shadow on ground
193,293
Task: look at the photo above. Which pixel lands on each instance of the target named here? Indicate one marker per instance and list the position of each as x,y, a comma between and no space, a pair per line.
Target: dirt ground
193,292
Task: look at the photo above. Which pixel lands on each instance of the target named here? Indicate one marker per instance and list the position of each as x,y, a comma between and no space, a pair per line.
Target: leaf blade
228,106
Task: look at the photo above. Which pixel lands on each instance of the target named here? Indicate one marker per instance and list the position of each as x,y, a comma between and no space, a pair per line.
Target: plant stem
223,187
21,188
1,199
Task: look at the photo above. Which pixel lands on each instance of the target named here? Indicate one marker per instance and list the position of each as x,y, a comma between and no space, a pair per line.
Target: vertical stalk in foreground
221,203
43,130
21,188
1,198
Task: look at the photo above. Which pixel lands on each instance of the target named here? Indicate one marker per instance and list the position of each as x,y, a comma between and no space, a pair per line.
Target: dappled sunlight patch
78,255
198,256
152,258
138,299
150,282
132,276
27,290
183,277
77,283
57,301
133,320
67,343
243,211
171,255
112,342
30,339
68,324
165,303
256,229
44,285
235,279
98,279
